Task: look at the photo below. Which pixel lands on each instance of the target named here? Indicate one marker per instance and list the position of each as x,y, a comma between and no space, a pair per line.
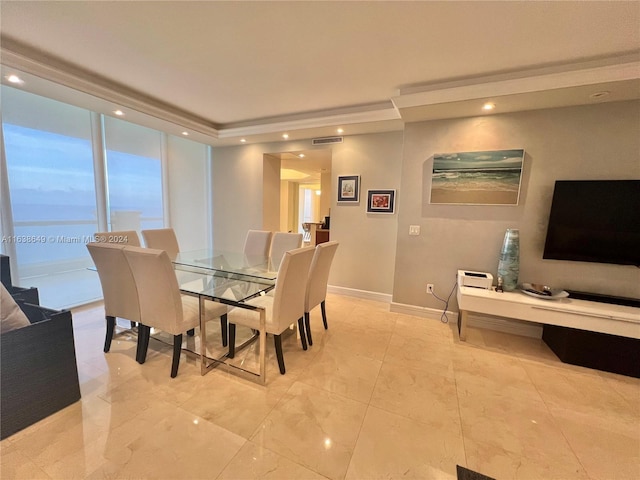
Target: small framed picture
349,189
381,201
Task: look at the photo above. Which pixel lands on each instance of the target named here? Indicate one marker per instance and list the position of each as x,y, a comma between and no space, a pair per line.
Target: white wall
237,194
597,141
587,142
365,258
188,195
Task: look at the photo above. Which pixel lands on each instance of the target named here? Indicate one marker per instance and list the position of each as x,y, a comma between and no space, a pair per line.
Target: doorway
305,188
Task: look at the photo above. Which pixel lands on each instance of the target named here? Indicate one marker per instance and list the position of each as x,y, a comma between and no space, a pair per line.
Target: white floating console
578,329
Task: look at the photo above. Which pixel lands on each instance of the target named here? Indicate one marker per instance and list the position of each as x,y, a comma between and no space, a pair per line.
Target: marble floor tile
357,340
582,390
393,446
379,394
340,372
520,427
420,353
606,449
314,428
426,397
16,465
234,404
253,462
499,463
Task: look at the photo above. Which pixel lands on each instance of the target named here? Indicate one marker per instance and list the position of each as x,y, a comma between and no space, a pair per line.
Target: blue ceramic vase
509,264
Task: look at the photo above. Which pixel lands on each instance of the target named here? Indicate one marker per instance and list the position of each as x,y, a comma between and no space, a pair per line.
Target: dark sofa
38,370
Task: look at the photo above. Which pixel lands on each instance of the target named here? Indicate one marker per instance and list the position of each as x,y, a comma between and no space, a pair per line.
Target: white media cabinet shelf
576,330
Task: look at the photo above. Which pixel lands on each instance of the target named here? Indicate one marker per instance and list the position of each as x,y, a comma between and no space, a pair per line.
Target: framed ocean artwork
477,178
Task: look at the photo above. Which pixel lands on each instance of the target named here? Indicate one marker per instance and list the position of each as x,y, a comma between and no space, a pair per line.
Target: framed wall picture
349,189
381,201
477,178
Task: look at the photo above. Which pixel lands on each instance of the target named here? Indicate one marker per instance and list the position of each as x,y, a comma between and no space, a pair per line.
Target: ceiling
226,71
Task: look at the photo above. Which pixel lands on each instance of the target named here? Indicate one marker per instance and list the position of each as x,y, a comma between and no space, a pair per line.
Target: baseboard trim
424,312
499,324
365,294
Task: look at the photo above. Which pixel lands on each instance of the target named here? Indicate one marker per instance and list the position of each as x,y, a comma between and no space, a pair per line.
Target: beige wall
237,194
366,256
365,259
598,141
588,142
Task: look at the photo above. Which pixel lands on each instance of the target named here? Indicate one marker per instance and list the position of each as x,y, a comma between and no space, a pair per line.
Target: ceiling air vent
326,140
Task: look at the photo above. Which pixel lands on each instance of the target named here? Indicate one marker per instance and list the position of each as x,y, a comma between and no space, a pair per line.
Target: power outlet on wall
430,288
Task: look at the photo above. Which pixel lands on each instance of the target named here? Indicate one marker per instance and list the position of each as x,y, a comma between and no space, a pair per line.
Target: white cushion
11,316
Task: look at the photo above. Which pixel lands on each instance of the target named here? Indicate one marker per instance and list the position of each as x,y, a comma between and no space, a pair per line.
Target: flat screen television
595,221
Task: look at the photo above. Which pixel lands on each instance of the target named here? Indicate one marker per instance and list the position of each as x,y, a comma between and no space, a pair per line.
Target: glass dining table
231,278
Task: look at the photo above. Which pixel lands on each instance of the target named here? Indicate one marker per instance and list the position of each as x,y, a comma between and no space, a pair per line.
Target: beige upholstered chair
162,239
118,286
287,304
165,239
283,242
162,305
317,284
257,243
123,237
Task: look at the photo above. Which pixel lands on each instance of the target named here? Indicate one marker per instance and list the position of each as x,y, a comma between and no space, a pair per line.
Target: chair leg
223,329
278,342
191,332
111,326
303,339
324,315
177,350
232,340
307,326
134,324
144,333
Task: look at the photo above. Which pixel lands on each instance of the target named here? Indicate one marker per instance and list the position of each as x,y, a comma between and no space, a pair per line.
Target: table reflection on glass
232,279
224,262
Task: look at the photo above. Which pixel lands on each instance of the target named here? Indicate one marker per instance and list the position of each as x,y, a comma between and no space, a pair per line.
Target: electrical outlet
430,288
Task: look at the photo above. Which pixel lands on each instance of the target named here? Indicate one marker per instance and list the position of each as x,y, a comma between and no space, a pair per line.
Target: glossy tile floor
378,395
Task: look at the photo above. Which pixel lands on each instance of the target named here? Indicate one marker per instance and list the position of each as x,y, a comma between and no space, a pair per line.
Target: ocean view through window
50,171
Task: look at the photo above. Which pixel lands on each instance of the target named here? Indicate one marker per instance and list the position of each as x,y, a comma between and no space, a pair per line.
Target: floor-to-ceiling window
71,172
134,175
48,148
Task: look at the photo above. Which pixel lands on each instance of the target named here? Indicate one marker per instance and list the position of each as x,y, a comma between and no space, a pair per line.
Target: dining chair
123,237
317,283
118,286
162,239
257,242
285,307
162,306
165,239
282,242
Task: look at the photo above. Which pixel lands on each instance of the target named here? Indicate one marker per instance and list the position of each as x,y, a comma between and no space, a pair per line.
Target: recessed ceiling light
243,140
285,136
301,155
602,94
14,79
340,130
488,106
186,134
118,112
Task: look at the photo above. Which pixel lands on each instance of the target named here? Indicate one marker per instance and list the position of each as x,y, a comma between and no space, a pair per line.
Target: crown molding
380,113
446,93
33,62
